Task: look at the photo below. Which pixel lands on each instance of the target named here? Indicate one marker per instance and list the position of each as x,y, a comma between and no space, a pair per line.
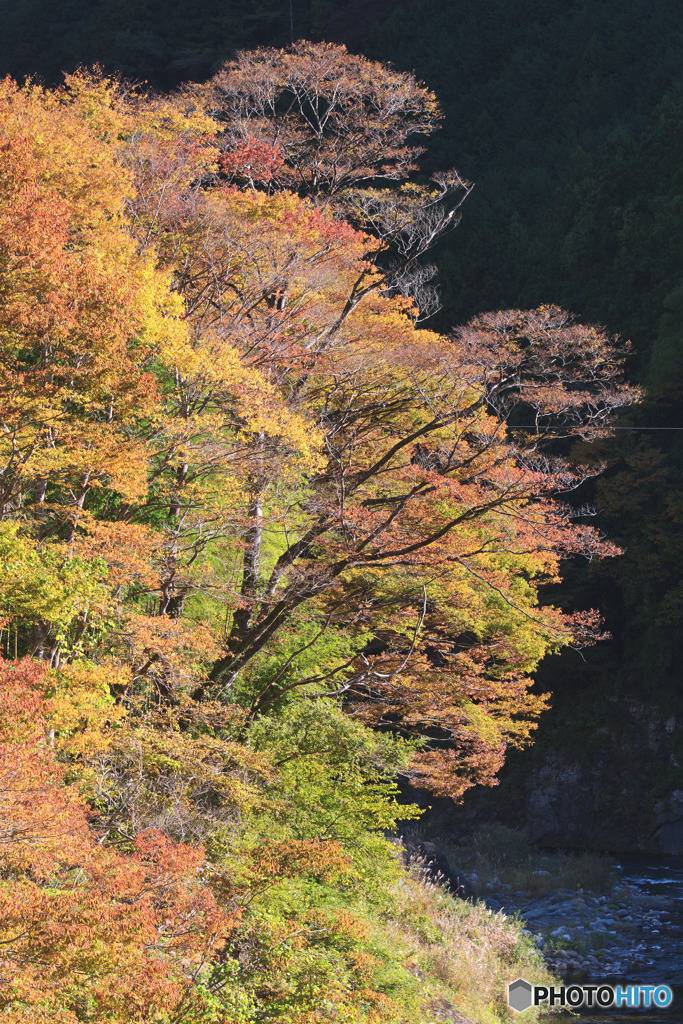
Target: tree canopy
265,544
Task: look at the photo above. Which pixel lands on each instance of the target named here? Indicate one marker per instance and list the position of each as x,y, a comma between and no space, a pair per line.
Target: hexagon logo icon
520,995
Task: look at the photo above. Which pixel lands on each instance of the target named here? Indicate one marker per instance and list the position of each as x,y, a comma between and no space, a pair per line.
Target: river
661,961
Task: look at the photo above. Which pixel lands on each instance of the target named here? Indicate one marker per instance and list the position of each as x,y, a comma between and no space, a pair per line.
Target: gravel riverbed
591,936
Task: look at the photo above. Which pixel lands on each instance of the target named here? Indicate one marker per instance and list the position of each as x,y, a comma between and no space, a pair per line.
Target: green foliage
49,584
307,652
336,777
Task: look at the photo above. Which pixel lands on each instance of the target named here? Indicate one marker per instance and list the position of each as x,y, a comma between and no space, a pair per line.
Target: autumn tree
125,933
342,530
87,311
267,544
337,120
341,130
425,536
116,911
81,313
320,499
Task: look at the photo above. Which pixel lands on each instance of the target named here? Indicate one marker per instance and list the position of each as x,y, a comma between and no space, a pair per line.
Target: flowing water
662,959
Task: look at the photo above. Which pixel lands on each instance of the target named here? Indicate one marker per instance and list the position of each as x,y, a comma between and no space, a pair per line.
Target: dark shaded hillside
531,93
166,43
161,43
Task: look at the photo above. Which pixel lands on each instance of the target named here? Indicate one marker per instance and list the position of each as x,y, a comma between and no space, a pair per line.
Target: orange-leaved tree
423,539
336,119
125,933
82,312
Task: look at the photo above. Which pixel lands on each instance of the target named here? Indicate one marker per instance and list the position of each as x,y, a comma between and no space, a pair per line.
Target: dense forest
566,117
310,368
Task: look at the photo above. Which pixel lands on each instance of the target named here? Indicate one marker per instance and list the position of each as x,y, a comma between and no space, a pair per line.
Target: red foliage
252,161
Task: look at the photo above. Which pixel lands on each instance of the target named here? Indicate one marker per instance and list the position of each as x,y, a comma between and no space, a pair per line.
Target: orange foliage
128,932
300,452
253,161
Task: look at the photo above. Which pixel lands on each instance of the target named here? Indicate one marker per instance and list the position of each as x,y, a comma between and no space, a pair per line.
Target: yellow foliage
82,709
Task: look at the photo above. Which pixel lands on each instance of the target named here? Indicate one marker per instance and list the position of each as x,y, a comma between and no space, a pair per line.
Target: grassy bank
464,953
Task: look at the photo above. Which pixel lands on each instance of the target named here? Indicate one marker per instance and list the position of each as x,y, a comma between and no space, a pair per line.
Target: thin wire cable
533,426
